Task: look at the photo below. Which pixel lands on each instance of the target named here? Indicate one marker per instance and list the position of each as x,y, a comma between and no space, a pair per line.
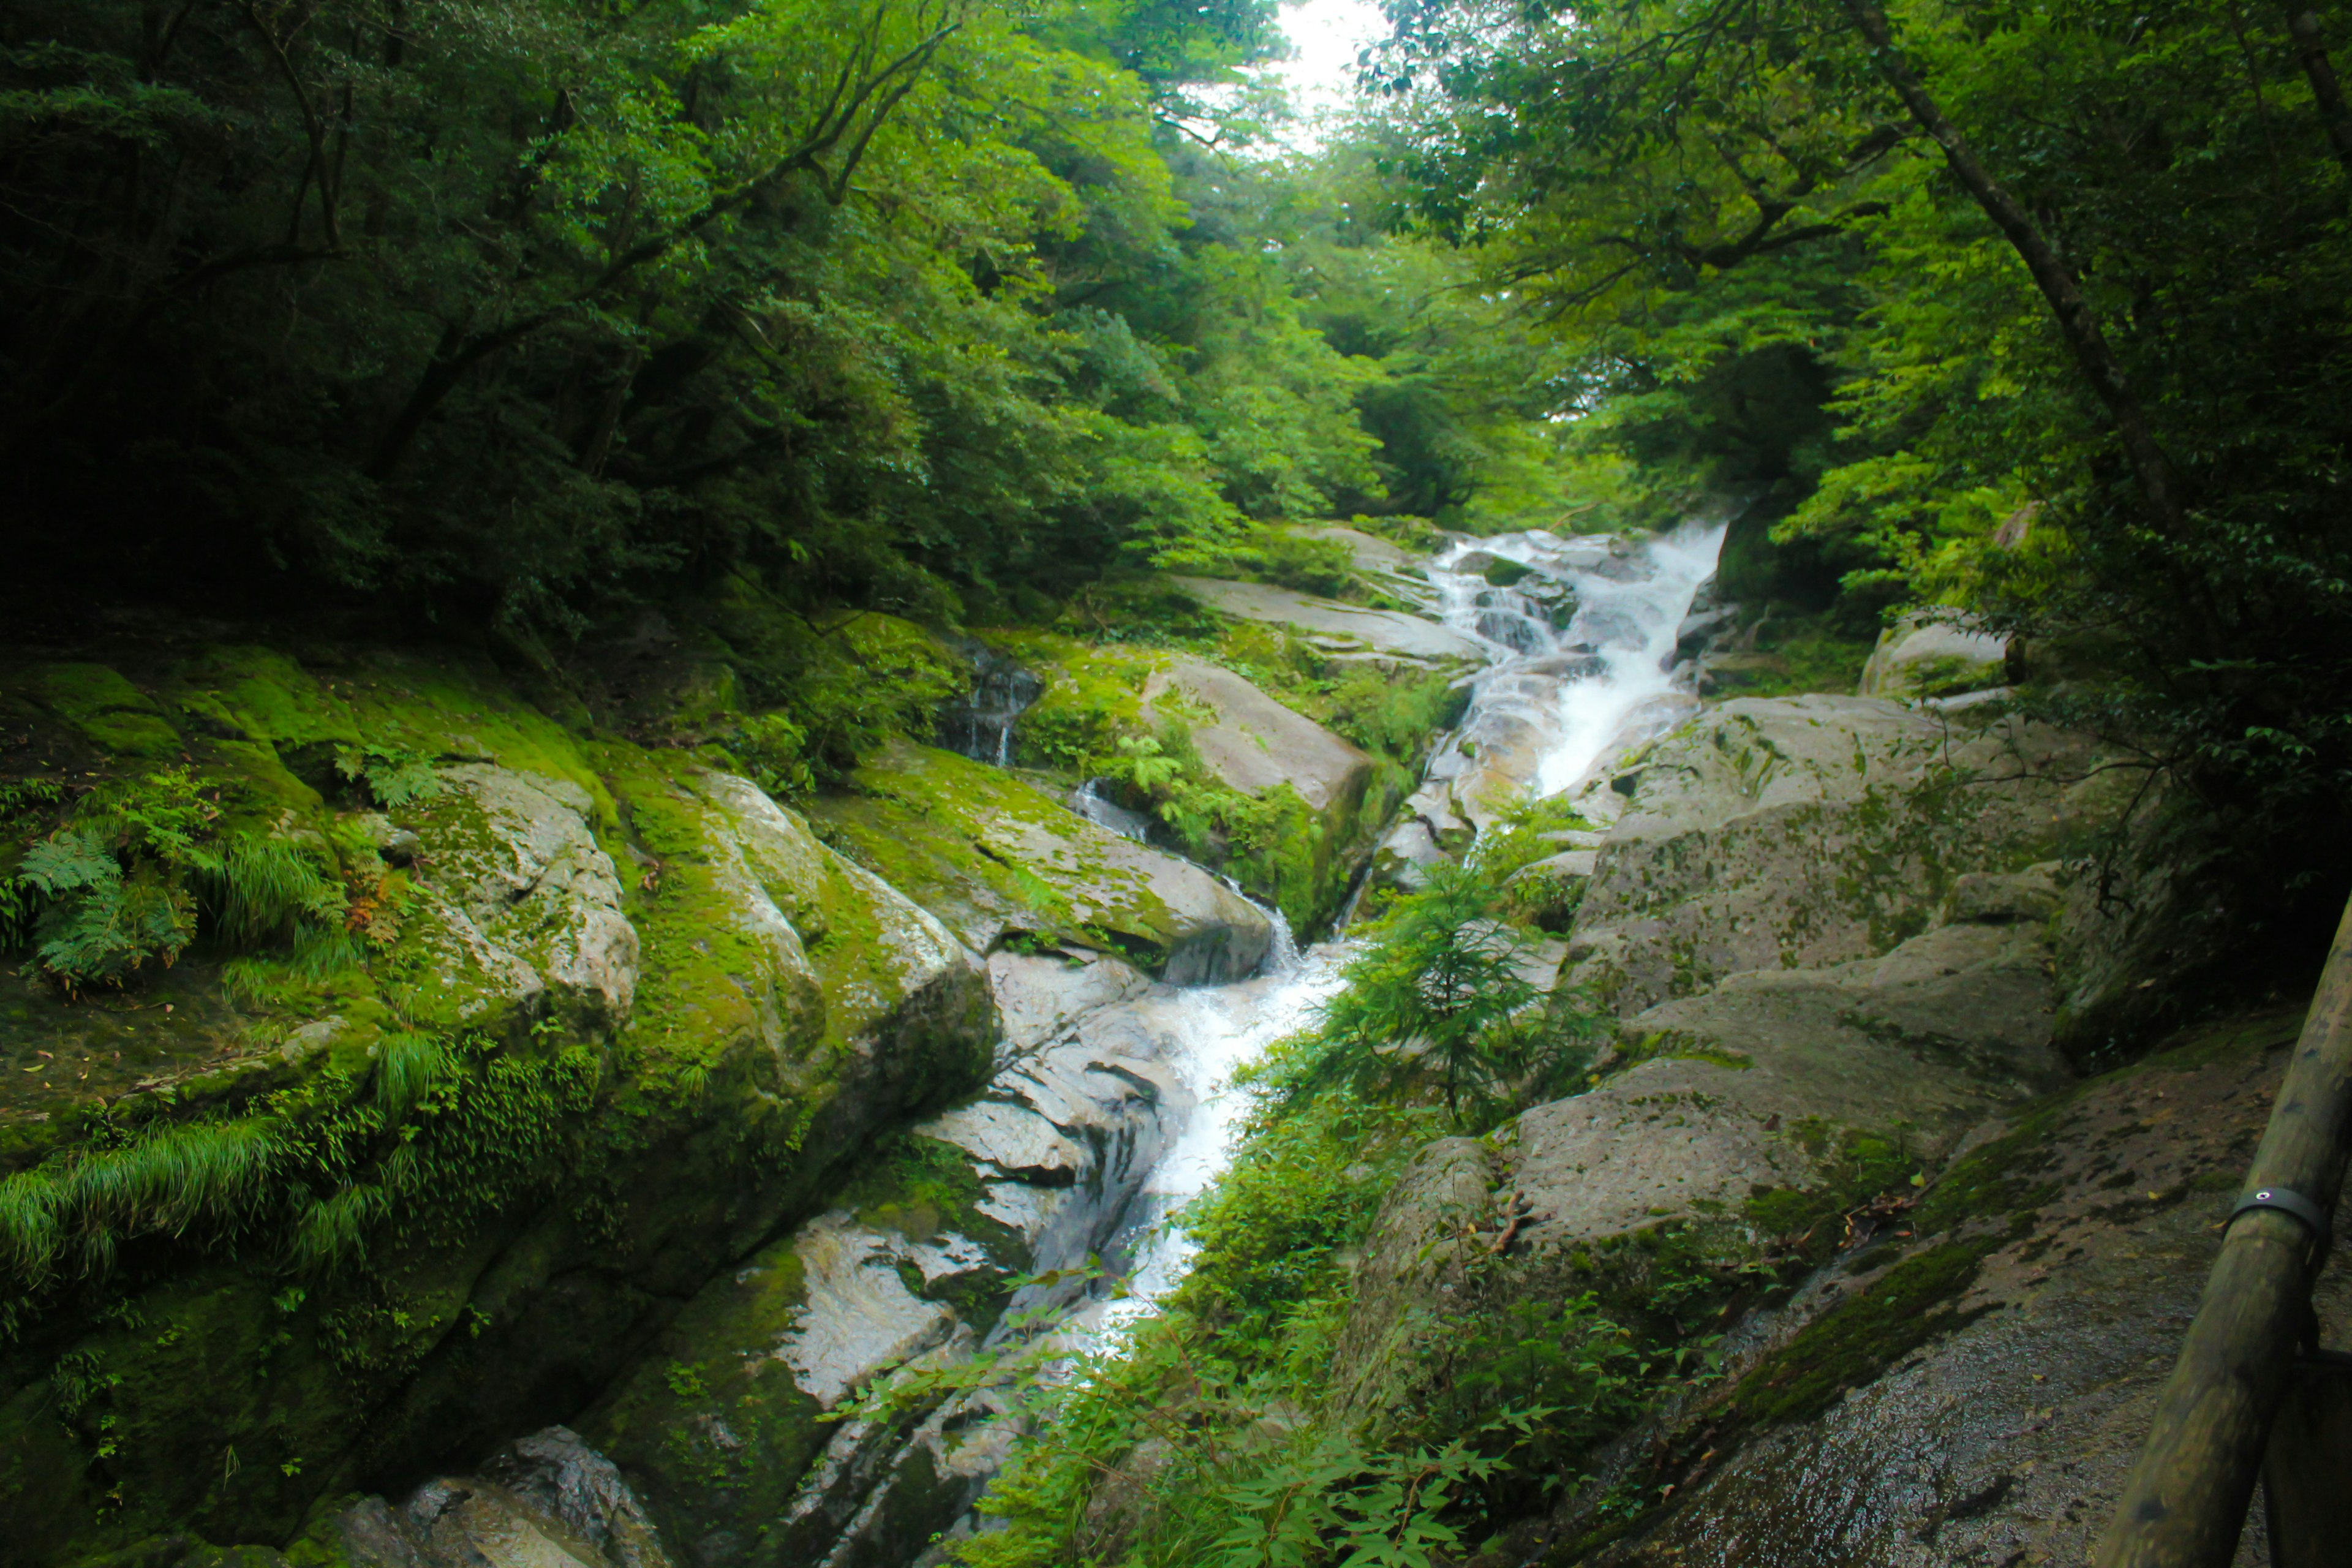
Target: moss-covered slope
543,1028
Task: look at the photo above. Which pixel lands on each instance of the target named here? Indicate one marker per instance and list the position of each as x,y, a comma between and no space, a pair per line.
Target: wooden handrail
2187,1498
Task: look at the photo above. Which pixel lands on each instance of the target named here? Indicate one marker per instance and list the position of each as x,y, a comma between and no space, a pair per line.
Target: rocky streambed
847,1100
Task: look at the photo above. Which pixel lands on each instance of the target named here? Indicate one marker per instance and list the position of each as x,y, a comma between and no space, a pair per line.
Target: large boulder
1978,1391
651,1073
1938,654
739,1426
547,1500
998,860
1250,742
1802,832
517,906
1759,1085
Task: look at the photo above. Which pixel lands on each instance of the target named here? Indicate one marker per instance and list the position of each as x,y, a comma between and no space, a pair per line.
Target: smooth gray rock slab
1254,743
1042,998
1803,832
1383,631
1922,1043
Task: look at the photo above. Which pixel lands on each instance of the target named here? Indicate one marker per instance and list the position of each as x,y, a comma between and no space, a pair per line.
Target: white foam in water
1594,711
1232,1026
1589,687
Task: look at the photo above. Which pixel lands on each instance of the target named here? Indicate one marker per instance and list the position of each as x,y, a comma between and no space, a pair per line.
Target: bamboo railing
2186,1498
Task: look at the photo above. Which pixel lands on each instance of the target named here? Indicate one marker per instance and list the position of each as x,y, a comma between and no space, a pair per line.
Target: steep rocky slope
602,1073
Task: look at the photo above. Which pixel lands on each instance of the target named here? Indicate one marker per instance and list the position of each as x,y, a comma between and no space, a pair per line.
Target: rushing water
1090,801
1581,659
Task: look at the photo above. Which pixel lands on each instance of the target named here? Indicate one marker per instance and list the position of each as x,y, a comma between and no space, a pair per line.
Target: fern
101,925
392,776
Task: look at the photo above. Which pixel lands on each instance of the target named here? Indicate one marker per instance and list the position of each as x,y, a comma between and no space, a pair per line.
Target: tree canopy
512,312
2038,311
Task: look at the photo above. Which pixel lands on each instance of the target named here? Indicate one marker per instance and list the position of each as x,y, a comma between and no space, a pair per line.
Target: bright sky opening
1328,36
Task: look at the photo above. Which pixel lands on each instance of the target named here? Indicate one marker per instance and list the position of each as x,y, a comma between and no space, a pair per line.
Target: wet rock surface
912,1276
2005,1439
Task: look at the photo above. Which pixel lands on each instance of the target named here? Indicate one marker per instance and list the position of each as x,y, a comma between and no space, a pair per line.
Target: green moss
106,709
1792,654
1850,1344
985,852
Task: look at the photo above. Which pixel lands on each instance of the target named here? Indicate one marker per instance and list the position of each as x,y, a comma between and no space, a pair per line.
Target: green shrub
141,865
1308,565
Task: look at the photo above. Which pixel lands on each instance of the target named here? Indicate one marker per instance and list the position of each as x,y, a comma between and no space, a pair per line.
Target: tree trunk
2160,484
2303,26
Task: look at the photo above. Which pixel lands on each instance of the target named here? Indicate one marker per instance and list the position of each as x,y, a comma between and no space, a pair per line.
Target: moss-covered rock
516,908
1941,657
629,1080
742,1425
995,858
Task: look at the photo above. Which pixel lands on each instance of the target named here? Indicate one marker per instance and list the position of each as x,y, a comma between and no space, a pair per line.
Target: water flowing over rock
980,725
913,1275
1573,646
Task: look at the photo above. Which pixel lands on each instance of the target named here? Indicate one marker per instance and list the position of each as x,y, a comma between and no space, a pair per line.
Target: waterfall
1578,649
1090,801
979,726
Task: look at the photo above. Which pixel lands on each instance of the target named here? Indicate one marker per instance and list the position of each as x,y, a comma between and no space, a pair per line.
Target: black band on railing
2314,1217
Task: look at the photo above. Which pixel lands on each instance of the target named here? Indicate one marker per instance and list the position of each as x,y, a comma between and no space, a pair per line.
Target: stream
1581,666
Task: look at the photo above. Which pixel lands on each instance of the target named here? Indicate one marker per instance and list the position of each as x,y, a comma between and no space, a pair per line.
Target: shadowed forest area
615,606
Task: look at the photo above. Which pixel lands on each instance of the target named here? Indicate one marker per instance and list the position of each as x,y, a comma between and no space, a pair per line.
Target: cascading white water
1090,801
1580,650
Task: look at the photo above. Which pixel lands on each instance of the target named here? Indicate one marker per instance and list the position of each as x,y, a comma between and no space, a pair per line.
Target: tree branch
2161,485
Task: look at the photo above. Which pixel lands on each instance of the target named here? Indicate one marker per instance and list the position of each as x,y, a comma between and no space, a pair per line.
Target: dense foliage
511,312
2039,310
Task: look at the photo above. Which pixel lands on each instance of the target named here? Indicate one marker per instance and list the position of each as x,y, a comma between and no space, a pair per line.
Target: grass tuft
260,890
411,1065
333,1231
29,1225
